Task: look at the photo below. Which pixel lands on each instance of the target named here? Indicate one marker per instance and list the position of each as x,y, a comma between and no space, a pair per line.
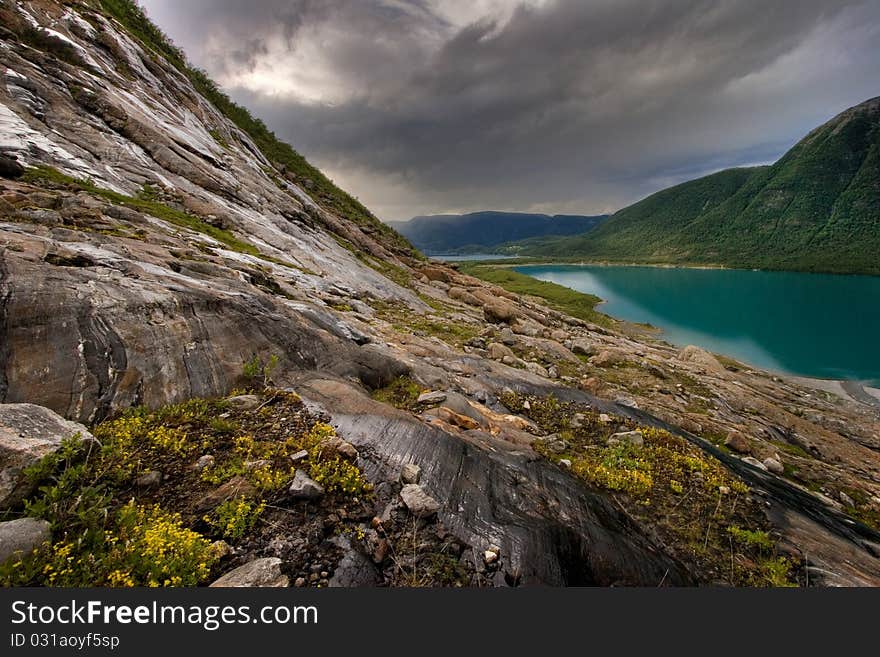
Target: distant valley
483,231
816,209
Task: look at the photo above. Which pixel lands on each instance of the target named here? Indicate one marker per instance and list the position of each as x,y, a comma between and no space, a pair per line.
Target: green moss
401,393
142,203
563,299
758,539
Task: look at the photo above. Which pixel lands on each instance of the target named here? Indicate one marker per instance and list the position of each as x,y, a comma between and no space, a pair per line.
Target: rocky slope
816,209
151,253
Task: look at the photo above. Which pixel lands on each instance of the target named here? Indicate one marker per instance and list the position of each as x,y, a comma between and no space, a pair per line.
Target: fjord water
816,325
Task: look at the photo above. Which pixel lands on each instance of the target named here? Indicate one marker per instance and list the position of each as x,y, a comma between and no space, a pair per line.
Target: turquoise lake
815,325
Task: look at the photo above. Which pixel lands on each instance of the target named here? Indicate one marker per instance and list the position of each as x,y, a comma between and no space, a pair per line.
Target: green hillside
816,209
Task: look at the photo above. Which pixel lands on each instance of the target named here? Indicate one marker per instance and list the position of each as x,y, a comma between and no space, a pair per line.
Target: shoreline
857,391
656,265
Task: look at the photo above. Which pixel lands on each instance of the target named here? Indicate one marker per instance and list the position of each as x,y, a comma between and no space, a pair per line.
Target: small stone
244,402
604,418
299,456
152,479
565,463
751,460
490,557
419,503
507,337
434,397
250,466
738,442
235,487
526,405
339,446
410,473
300,582
304,487
634,438
205,461
724,490
552,372
381,551
264,572
221,549
846,499
22,536
537,369
774,465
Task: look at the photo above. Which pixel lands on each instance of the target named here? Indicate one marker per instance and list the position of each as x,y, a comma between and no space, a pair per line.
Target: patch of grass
44,174
402,393
110,530
329,469
701,510
793,450
234,518
215,134
402,318
42,40
135,546
450,332
563,299
390,271
758,539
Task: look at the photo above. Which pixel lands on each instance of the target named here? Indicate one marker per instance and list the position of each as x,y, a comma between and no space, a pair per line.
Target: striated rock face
149,250
554,531
103,304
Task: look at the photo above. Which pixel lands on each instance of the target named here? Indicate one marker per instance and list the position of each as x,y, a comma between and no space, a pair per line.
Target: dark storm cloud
442,105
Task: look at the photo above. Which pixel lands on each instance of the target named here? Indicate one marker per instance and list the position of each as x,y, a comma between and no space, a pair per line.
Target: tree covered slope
479,231
816,209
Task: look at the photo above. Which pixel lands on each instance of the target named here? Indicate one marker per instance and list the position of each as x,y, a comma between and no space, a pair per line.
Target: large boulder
738,442
460,294
499,311
22,536
497,351
27,434
701,358
583,347
264,572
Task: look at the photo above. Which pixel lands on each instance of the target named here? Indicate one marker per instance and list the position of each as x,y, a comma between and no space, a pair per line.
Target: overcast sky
573,106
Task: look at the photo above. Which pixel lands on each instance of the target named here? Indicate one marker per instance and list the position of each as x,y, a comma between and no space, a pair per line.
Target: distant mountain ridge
462,233
816,209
